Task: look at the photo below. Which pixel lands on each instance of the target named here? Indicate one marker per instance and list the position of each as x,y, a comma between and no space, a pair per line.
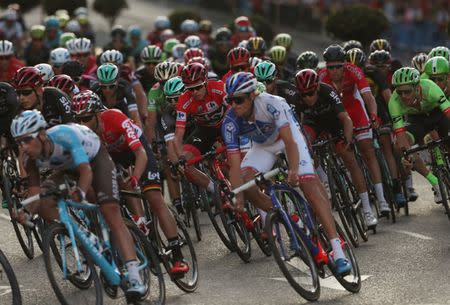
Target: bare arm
347,126
370,102
140,163
141,99
150,126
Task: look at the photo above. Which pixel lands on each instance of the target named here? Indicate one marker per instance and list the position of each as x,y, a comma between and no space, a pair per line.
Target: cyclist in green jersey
426,108
437,69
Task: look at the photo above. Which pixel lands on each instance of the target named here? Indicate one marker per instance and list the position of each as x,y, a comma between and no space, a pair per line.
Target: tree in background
51,6
110,9
25,5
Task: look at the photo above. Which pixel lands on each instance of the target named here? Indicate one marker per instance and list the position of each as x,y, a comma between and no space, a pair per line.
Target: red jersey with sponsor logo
91,66
208,112
14,65
353,84
119,132
231,72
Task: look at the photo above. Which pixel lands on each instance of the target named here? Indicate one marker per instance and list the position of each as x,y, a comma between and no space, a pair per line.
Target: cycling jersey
231,72
168,122
8,110
432,97
73,145
36,56
147,80
287,91
12,32
125,99
208,112
56,106
91,66
378,83
14,64
218,62
156,98
128,74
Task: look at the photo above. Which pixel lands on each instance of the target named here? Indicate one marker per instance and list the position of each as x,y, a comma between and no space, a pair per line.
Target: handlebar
31,199
209,154
253,182
319,143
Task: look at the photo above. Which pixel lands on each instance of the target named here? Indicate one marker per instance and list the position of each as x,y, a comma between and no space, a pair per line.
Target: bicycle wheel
189,197
444,187
388,186
258,228
9,288
38,231
24,234
76,287
297,266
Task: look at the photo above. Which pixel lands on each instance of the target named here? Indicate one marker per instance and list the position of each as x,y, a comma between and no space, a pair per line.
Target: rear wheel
444,187
8,279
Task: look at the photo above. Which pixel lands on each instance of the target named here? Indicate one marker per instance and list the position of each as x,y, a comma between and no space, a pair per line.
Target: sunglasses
238,100
309,93
83,119
239,68
25,92
108,87
7,57
27,139
196,88
441,78
332,67
404,92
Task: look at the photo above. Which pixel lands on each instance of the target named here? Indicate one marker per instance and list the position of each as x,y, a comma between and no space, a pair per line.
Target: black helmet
350,44
118,31
356,56
222,34
72,68
380,57
334,53
380,44
307,60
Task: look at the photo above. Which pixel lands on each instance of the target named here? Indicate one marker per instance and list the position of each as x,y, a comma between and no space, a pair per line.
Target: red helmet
63,82
86,102
200,60
238,56
194,74
306,80
192,52
180,67
242,21
27,77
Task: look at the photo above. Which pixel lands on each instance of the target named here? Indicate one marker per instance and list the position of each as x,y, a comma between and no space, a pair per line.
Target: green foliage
25,5
357,22
51,6
178,16
110,9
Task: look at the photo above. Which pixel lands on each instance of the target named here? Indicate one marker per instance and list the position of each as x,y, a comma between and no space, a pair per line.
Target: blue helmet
240,83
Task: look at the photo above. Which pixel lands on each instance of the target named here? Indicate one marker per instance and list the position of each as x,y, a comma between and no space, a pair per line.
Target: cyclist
349,81
11,28
440,51
238,60
64,83
257,47
307,60
268,121
9,64
36,52
426,108
52,32
9,107
278,55
188,27
118,42
418,61
285,40
383,44
218,53
161,23
437,69
242,30
115,92
350,44
85,56
382,60
75,70
150,57
73,147
191,53
136,42
59,57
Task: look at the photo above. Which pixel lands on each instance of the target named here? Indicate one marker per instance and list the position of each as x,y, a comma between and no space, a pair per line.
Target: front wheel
444,187
8,279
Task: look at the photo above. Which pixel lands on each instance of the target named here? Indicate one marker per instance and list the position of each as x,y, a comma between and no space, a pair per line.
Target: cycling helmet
51,22
6,48
278,54
437,65
37,31
107,73
73,26
265,70
80,11
194,74
151,54
10,15
189,26
193,52
205,26
27,122
238,56
61,12
8,95
440,51
59,56
243,44
178,50
334,53
222,35
111,56
118,31
174,87
63,20
27,77
418,61
86,102
350,44
83,45
242,23
256,46
134,31
306,80
169,44
405,76
284,40
307,60
380,44
192,41
380,57
82,19
166,34
201,60
253,61
65,37
46,71
63,82
356,56
166,70
240,83
162,23
71,47
73,68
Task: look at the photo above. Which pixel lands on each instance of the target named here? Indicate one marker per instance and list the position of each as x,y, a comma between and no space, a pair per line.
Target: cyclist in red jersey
349,81
127,146
238,60
9,64
84,55
242,30
204,102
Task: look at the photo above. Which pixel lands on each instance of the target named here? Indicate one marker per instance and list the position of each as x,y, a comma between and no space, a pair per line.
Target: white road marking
416,235
329,282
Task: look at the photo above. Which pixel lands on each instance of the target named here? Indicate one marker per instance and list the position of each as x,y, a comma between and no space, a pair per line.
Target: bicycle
75,249
307,249
9,288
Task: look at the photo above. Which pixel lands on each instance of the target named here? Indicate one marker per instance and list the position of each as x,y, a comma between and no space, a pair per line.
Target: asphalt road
404,263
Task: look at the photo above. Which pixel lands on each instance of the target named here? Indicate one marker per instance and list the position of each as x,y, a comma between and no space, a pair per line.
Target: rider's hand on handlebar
375,119
292,177
408,162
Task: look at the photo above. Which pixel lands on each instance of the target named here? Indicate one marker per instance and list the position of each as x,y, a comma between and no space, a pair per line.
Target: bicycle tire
11,277
275,223
444,187
49,247
193,212
258,229
24,234
387,184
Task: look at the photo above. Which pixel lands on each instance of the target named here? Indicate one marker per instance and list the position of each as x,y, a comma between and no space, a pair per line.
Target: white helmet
59,56
73,26
162,22
111,56
29,121
80,11
46,71
71,47
10,15
189,26
254,61
178,50
419,61
6,48
83,45
192,41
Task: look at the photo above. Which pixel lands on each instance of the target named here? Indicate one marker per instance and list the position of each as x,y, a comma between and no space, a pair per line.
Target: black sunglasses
332,67
309,93
83,119
404,92
238,100
24,92
108,87
441,78
196,88
6,57
25,140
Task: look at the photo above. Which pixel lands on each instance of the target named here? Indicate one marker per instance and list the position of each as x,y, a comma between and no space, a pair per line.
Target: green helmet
107,73
65,37
405,76
174,87
440,51
169,44
277,54
265,70
37,31
63,19
284,40
151,54
437,65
